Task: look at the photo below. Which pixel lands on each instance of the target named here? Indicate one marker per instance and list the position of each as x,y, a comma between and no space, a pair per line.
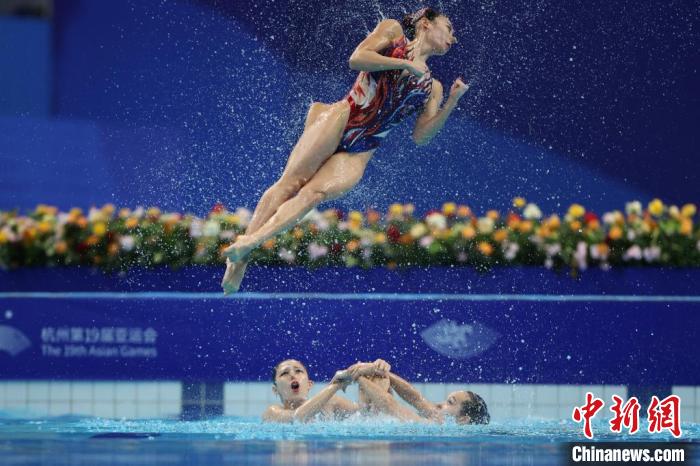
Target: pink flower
635,252
426,241
316,251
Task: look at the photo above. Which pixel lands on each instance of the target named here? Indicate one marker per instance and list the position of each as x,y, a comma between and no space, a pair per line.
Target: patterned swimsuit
380,100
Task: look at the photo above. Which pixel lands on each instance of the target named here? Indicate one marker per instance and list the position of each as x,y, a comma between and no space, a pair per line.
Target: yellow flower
519,202
485,248
354,224
396,210
576,210
688,210
108,209
380,238
656,207
355,216
99,228
493,215
124,212
44,227
500,235
449,208
553,222
153,212
686,227
3,237
615,232
75,212
298,233
233,219
131,222
463,211
468,232
418,230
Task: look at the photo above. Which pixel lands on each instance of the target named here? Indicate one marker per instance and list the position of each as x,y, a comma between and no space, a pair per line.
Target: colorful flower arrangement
662,235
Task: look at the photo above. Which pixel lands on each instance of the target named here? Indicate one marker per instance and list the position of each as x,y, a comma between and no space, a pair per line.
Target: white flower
652,253
698,245
462,256
532,212
548,262
552,249
316,250
227,235
634,207
485,225
211,228
635,252
631,235
244,216
127,242
609,218
436,221
322,224
196,228
286,255
510,250
418,230
139,212
426,241
312,216
580,255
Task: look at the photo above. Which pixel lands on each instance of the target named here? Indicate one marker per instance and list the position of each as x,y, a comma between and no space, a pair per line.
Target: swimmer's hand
458,89
382,367
378,368
417,69
342,378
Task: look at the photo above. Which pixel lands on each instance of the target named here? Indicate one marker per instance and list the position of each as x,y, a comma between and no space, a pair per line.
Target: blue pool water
234,441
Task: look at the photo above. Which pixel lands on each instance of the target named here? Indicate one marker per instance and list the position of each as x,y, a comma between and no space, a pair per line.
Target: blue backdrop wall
185,103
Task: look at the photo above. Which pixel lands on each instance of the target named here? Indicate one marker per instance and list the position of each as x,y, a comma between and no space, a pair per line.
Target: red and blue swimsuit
380,100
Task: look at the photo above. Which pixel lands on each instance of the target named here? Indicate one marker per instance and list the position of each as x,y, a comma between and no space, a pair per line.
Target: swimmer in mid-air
339,139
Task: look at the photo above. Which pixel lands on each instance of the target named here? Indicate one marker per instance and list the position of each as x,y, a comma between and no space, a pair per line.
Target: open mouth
295,386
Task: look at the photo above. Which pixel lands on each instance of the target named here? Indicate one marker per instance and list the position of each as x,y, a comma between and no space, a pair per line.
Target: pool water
234,441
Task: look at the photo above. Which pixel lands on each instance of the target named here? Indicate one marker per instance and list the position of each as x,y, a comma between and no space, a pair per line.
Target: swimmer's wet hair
410,20
476,409
274,369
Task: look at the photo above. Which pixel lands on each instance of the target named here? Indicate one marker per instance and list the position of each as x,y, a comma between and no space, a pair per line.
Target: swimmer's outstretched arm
366,56
313,406
433,118
386,403
412,396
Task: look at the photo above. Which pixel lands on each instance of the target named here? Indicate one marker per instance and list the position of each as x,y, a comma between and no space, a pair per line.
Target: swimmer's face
452,406
439,34
292,381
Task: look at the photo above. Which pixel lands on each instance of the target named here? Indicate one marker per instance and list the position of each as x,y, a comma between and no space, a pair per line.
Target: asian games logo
12,341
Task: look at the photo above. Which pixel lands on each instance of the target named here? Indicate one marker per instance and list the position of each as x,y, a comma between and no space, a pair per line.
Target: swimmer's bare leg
338,175
298,170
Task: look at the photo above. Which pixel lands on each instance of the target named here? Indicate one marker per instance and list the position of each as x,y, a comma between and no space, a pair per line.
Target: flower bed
119,239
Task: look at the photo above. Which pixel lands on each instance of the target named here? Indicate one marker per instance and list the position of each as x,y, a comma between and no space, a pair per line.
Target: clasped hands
378,368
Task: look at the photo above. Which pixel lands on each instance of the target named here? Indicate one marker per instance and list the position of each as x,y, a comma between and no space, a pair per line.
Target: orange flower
406,239
593,225
82,222
391,265
131,222
500,235
468,232
352,245
61,247
493,215
686,227
29,234
373,216
269,244
575,225
525,226
298,233
553,222
615,232
463,211
108,209
91,240
113,249
408,209
485,248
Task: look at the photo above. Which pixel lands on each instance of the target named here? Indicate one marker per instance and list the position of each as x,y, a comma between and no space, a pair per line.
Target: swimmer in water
290,381
339,139
464,406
